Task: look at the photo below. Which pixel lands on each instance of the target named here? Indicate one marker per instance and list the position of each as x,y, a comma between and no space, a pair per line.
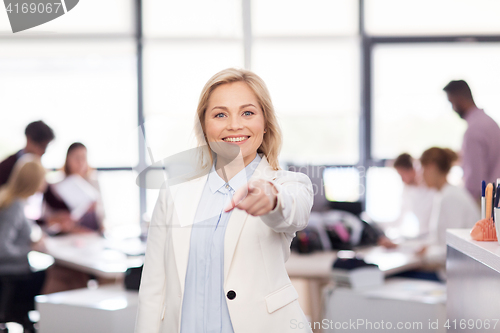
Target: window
409,102
120,197
302,18
192,18
343,184
429,17
84,90
79,73
384,191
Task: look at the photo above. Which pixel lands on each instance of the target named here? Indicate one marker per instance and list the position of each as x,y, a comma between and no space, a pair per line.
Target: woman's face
431,175
234,116
77,161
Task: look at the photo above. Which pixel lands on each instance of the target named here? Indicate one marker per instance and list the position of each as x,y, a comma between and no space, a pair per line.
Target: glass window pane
175,74
87,17
322,77
214,18
384,191
411,111
315,91
430,17
298,17
318,139
342,184
85,91
120,196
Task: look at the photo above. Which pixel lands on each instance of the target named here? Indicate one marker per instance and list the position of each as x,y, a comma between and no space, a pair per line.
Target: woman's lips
236,139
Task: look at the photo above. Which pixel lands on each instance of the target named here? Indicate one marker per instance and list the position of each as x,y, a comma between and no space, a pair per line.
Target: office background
354,82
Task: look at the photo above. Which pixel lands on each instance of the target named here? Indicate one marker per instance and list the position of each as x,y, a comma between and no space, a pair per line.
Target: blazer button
231,294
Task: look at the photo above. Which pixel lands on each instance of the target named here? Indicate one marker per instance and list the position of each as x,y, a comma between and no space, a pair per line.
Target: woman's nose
235,123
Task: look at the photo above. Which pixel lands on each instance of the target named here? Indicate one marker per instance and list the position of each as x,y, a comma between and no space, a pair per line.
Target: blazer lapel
186,197
239,217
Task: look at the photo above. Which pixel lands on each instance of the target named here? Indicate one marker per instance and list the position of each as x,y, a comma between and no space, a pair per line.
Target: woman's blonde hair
26,178
271,143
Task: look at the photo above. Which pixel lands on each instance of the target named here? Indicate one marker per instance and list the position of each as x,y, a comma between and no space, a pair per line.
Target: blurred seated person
58,212
60,278
18,285
38,136
417,199
453,207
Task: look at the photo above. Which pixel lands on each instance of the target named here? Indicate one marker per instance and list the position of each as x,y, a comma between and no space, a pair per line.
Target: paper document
77,194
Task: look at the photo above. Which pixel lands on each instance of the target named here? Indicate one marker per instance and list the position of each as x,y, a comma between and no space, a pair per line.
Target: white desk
473,282
108,309
93,254
400,305
311,272
319,264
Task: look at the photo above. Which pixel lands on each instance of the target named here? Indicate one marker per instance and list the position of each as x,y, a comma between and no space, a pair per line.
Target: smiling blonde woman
218,243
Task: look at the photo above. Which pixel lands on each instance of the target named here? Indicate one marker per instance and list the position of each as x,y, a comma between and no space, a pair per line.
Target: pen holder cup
496,212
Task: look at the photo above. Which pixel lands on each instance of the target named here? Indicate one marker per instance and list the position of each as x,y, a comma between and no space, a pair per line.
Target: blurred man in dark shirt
38,136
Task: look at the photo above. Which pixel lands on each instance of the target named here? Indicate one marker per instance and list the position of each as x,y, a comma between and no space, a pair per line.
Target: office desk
411,302
473,283
311,272
319,264
93,254
108,309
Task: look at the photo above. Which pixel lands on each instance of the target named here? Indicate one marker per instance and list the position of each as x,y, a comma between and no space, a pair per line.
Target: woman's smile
236,139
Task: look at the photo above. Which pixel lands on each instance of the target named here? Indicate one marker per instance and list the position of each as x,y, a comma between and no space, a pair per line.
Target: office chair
17,298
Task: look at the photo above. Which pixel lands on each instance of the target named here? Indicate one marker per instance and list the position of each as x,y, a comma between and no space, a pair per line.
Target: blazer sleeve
295,200
153,279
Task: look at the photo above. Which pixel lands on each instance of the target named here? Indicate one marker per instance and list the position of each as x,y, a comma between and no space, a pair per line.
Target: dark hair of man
404,161
459,88
39,132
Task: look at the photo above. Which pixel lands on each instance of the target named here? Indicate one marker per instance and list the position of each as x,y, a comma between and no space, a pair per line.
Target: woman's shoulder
457,195
14,208
92,177
285,176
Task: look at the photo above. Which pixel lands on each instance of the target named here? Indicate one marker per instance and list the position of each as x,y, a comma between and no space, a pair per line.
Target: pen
493,196
489,198
483,202
497,199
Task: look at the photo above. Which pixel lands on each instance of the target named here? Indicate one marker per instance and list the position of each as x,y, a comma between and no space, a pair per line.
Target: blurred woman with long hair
453,206
18,285
56,209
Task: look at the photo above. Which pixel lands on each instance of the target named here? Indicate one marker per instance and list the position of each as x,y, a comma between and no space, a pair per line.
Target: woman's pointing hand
257,197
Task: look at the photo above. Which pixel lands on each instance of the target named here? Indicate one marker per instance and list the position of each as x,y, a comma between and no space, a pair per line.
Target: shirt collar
216,182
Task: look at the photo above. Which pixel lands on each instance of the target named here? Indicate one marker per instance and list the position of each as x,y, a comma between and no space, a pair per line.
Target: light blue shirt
204,308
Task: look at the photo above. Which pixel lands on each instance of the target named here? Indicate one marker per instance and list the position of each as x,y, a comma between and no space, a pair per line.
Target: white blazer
255,252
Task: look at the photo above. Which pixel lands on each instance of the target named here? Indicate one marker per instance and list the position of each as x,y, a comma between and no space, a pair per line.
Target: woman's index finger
238,196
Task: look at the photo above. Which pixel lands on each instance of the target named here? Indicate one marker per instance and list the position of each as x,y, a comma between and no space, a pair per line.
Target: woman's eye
219,115
248,113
